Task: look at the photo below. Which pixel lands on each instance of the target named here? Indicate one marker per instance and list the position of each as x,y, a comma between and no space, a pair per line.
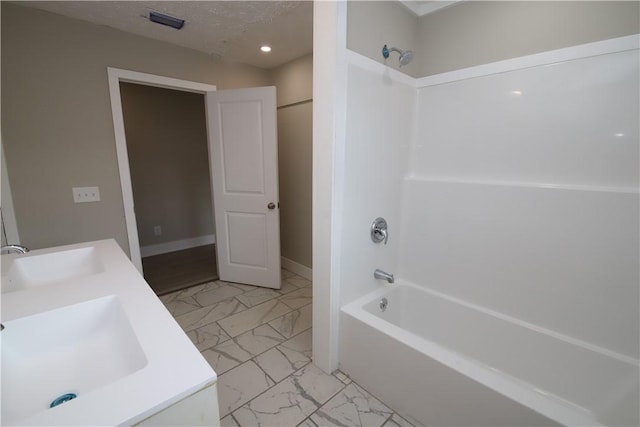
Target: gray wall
473,33
57,128
294,89
372,24
168,158
478,32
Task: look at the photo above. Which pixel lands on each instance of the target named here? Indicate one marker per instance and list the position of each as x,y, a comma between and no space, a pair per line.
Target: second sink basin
73,349
26,271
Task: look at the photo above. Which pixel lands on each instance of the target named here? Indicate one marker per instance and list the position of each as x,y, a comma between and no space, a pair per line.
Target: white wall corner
329,99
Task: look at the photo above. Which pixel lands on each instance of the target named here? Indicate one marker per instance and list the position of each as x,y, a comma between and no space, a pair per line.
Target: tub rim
544,402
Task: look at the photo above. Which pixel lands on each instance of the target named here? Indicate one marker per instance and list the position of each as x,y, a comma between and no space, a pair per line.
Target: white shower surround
551,243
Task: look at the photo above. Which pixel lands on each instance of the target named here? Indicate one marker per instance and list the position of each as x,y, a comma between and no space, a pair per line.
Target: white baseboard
176,245
294,267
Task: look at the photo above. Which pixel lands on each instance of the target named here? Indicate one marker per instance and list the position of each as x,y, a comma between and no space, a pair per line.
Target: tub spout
379,274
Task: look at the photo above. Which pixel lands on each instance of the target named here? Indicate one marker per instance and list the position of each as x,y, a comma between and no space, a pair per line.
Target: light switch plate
86,194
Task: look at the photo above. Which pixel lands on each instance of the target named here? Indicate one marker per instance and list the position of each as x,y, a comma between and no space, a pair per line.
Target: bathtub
440,361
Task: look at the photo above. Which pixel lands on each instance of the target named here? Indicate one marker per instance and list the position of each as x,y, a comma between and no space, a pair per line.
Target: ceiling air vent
167,20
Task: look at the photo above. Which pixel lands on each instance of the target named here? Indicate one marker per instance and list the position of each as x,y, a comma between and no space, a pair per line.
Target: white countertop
174,370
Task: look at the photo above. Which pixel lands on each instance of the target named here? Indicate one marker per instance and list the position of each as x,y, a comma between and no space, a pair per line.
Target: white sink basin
27,271
73,349
81,319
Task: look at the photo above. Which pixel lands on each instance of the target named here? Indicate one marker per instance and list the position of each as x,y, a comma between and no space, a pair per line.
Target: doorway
166,139
242,154
116,76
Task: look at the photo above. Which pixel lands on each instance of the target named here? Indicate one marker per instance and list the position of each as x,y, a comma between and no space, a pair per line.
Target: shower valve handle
382,234
379,231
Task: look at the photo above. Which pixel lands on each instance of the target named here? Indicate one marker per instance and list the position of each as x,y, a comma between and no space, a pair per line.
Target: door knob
271,205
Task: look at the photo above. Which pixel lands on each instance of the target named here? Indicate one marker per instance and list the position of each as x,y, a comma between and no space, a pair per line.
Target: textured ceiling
232,30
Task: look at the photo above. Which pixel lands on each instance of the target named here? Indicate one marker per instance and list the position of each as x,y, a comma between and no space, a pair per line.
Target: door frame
117,75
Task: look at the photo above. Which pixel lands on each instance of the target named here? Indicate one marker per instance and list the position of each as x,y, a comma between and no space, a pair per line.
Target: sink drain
64,398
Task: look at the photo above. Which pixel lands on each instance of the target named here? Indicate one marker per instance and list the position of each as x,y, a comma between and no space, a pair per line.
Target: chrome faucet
15,248
379,274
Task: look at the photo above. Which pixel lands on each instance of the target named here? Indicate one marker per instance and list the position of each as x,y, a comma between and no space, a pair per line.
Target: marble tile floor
258,341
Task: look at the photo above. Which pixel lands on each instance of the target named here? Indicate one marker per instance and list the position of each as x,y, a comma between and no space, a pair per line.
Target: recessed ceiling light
265,48
516,92
620,134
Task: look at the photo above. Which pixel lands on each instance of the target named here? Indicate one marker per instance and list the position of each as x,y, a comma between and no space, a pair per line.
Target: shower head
405,55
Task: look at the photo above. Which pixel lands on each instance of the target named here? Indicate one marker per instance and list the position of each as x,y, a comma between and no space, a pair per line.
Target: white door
244,177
